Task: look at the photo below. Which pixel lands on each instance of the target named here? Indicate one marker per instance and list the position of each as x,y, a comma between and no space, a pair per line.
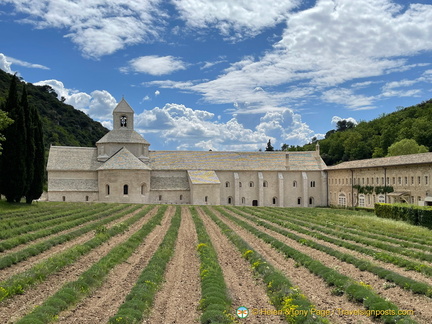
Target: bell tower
123,116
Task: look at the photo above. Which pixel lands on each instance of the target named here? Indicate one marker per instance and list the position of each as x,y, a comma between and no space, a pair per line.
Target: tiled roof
169,183
203,177
69,158
124,107
384,162
254,161
122,136
123,160
73,185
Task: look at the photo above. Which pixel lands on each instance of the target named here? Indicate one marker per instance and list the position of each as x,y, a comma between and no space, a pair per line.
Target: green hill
372,139
62,123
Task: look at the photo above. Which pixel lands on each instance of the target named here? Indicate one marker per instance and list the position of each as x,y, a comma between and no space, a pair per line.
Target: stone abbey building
122,169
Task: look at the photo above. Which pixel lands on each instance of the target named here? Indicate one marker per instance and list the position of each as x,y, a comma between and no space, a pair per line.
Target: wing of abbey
121,168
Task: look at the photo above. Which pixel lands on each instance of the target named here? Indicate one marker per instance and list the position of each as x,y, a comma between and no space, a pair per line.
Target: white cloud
235,19
98,27
99,104
200,129
5,63
27,64
334,42
336,119
348,99
154,65
157,93
170,84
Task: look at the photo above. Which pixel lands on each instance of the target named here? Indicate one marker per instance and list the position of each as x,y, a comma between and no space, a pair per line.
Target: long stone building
122,169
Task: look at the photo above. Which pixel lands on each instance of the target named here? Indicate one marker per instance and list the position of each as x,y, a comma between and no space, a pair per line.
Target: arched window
299,201
312,184
206,199
274,200
295,184
311,201
342,200
251,184
123,121
181,197
64,198
107,187
240,184
160,197
125,189
87,198
229,200
243,200
143,189
227,184
265,184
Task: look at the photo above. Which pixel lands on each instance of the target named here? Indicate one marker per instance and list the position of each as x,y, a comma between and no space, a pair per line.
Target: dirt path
178,300
244,288
30,262
18,306
312,286
105,301
403,298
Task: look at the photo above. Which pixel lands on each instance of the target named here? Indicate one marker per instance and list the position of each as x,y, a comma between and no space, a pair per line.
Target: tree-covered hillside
372,139
62,123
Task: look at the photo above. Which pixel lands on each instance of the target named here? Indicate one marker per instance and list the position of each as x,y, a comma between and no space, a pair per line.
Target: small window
312,184
295,184
181,197
107,190
311,201
160,197
123,121
240,184
274,200
125,189
206,198
265,184
298,201
143,189
227,184
243,200
87,198
251,184
64,198
229,200
426,180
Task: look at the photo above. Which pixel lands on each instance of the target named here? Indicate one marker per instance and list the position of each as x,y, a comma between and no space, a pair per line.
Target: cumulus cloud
199,129
336,119
97,27
99,104
154,65
5,63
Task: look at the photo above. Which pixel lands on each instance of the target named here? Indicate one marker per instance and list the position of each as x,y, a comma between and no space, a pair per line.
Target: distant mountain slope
372,139
62,123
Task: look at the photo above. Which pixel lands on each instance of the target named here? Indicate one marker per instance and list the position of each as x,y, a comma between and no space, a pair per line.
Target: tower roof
123,107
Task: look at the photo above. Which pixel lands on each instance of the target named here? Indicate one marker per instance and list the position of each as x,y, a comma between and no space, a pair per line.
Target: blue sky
224,74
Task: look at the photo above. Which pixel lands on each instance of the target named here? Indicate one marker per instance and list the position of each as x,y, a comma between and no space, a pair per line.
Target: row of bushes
401,281
215,302
282,293
38,273
73,292
85,217
356,291
140,299
383,235
415,215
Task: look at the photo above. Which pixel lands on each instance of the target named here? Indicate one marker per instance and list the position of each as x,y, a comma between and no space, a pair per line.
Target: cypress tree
13,173
36,185
30,143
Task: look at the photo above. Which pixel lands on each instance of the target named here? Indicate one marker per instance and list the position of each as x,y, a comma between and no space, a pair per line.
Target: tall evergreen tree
30,143
269,146
36,185
13,173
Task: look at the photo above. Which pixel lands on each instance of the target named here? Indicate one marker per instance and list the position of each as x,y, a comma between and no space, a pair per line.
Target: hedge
415,215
